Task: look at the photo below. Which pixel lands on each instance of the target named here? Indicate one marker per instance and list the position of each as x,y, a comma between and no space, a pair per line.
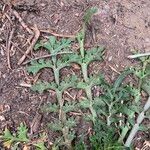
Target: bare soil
121,26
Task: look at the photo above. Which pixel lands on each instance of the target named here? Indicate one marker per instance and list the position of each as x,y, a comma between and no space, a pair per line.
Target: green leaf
38,45
82,85
89,13
22,133
95,54
7,135
52,40
99,102
68,107
53,45
143,128
57,45
40,146
80,145
105,137
120,79
50,108
84,103
146,85
36,66
68,82
71,135
92,81
50,44
56,126
41,86
88,117
61,64
70,122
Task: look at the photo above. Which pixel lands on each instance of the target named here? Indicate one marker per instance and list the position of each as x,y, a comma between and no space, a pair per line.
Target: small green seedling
11,140
112,113
19,139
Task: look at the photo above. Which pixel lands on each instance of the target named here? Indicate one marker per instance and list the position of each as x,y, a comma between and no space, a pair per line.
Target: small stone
76,14
147,40
2,52
2,118
4,76
43,4
110,58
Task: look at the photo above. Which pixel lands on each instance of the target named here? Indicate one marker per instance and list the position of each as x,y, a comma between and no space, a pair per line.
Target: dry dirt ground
122,26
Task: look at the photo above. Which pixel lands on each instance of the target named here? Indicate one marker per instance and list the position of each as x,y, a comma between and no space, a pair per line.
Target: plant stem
55,69
141,80
88,92
66,138
89,95
62,118
136,126
84,68
93,112
56,75
123,133
82,48
108,118
80,38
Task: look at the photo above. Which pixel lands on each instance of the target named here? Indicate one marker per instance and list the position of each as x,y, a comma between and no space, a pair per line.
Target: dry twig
56,34
112,68
36,36
22,22
45,56
20,50
139,55
8,46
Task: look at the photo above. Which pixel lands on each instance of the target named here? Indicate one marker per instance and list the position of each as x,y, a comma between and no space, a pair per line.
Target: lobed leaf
50,108
38,45
40,146
7,135
67,83
146,85
95,54
70,122
41,86
93,80
36,66
22,133
120,79
56,126
84,103
54,46
68,107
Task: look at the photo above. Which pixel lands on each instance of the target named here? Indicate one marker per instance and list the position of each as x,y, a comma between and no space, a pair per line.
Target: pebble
110,58
2,118
2,52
